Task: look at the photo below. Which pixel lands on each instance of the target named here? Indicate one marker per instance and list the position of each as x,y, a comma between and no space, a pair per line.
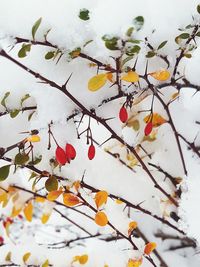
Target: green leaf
126,60
136,125
111,42
162,45
49,55
30,115
3,101
21,159
150,54
198,9
4,172
35,27
14,113
198,34
24,98
138,22
187,55
130,51
184,35
33,175
84,14
130,31
51,184
24,50
35,161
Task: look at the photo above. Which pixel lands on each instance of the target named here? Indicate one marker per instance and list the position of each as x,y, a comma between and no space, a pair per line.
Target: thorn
67,80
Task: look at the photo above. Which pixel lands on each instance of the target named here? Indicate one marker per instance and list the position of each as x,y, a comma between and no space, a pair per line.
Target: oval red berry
91,152
70,151
148,128
61,157
123,114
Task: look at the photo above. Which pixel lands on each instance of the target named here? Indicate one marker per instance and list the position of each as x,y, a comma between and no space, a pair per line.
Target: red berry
123,114
70,151
1,240
20,216
9,220
148,128
61,157
91,152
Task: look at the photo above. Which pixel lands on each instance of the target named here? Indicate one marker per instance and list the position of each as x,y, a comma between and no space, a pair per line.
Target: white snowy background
104,172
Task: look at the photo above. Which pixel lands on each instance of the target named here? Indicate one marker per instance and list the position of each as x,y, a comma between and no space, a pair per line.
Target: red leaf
70,151
148,128
61,157
123,114
91,152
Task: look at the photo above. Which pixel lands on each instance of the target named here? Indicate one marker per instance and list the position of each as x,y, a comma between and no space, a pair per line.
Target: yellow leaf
156,118
70,200
131,77
33,138
83,259
45,264
26,257
15,212
175,95
118,201
134,263
53,195
132,226
28,212
101,198
8,256
45,217
75,258
3,196
161,75
40,199
101,218
96,82
7,225
149,248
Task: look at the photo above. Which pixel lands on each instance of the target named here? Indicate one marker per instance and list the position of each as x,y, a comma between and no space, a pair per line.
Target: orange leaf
40,199
83,259
28,212
149,247
77,185
70,200
132,226
101,218
131,77
110,76
156,118
45,218
53,195
101,198
161,75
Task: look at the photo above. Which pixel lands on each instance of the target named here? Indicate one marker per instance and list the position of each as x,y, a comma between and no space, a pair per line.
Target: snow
105,172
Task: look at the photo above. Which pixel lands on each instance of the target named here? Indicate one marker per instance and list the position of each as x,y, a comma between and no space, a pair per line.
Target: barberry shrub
94,154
